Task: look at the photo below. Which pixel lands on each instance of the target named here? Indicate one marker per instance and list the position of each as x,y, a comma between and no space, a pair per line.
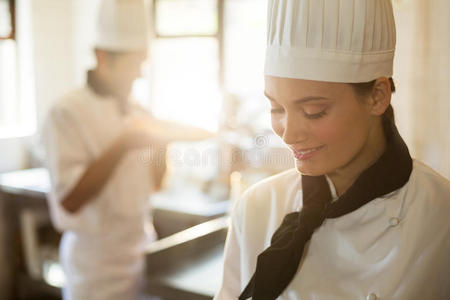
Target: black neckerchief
278,264
102,89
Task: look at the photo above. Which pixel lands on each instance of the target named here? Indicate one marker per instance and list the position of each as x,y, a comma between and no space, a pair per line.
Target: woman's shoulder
424,177
276,193
429,191
278,183
262,206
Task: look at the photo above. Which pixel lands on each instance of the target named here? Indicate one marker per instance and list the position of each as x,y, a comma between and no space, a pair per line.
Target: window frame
25,113
12,12
219,36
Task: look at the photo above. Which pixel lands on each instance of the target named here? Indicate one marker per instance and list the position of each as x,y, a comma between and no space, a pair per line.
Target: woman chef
358,218
100,179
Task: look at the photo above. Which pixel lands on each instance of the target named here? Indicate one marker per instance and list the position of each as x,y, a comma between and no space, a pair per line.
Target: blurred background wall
422,73
53,43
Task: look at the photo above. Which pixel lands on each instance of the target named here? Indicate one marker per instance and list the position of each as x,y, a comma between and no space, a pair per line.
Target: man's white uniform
101,251
103,242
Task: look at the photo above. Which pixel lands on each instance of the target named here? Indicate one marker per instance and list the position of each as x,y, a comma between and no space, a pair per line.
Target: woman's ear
380,96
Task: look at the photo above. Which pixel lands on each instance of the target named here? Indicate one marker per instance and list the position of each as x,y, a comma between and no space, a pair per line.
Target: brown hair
364,88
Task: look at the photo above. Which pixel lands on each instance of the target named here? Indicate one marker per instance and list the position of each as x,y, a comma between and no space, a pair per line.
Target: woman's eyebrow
309,98
301,100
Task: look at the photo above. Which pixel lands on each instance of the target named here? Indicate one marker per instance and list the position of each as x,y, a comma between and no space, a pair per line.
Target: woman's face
323,123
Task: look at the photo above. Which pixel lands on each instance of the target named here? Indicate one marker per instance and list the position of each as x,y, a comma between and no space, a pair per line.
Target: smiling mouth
307,153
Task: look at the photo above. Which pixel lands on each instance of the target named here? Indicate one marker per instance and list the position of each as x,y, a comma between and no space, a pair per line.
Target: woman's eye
317,115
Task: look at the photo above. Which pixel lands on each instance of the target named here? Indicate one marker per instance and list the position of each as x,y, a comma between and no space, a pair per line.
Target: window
244,49
17,114
185,73
203,51
7,23
8,76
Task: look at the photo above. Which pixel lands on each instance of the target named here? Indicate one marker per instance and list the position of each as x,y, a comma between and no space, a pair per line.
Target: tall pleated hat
330,40
123,25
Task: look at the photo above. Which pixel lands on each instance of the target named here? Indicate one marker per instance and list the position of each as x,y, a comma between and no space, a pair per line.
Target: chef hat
330,40
123,25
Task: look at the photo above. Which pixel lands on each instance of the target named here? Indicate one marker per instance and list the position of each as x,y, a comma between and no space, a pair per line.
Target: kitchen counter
193,256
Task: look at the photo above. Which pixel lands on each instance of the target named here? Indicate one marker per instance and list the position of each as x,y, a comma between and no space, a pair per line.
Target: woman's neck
344,177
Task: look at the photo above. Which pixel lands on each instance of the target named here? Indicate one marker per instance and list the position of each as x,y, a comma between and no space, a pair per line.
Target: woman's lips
306,153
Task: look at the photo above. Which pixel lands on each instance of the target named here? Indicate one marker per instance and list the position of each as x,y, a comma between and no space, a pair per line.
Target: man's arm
98,172
167,131
94,178
140,133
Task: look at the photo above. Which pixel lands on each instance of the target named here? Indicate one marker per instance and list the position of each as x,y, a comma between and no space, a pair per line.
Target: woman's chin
309,168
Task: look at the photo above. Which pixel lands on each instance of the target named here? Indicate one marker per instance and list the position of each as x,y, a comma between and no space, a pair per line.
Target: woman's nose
295,131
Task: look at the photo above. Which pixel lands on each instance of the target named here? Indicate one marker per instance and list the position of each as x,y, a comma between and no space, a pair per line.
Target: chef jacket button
371,296
394,221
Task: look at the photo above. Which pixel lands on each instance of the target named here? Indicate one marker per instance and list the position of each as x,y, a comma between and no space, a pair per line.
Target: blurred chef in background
94,139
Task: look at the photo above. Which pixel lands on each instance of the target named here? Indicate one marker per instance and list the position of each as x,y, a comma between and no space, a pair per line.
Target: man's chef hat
123,25
330,40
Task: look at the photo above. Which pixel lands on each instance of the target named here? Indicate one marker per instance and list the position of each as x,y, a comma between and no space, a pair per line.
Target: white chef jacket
101,251
394,247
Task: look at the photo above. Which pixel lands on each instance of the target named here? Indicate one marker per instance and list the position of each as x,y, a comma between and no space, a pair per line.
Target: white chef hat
330,40
123,25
